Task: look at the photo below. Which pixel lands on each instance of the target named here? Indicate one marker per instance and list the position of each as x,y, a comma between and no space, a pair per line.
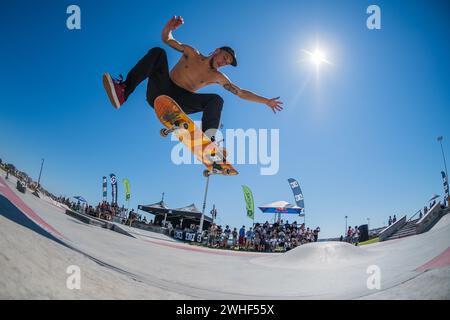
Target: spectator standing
170,227
349,234
273,242
235,237
316,234
257,241
308,235
262,245
211,235
282,237
394,220
286,225
390,220
132,217
242,237
226,236
219,234
248,238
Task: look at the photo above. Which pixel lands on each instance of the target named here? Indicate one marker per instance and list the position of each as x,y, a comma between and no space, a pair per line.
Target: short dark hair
231,52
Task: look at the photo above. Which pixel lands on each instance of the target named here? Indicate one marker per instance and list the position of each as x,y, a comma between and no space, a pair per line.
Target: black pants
153,66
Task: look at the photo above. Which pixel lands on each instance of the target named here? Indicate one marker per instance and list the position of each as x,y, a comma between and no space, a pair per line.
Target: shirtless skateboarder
192,72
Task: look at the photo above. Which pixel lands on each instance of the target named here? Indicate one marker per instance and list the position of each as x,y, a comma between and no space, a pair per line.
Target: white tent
281,207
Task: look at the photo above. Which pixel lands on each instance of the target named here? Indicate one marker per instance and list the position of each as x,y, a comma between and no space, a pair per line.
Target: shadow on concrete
11,212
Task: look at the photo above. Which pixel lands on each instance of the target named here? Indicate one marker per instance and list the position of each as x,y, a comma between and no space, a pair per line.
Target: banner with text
249,203
298,195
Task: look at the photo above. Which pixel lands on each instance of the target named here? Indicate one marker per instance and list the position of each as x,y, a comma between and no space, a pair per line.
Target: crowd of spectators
106,211
352,235
261,237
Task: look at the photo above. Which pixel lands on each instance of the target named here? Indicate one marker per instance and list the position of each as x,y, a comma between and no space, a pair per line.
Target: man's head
222,57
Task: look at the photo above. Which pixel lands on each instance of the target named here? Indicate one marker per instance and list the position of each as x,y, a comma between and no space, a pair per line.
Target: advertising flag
249,202
113,188
126,184
298,195
105,185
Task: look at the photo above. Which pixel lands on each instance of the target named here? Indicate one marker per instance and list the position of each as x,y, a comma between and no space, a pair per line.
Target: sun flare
317,57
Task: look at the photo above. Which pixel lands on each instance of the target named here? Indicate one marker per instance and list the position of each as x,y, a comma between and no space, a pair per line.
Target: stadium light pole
204,205
443,155
40,172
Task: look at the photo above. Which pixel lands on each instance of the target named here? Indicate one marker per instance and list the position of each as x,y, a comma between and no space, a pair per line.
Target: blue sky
360,136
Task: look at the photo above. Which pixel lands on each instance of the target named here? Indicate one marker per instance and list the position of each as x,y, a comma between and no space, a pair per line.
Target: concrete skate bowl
314,255
321,270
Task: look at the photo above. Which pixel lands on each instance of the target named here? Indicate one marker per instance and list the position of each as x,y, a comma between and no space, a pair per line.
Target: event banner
113,188
249,202
298,195
126,184
187,236
105,185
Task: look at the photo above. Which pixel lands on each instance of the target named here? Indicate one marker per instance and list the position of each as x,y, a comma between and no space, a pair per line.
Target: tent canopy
158,207
280,207
190,208
188,212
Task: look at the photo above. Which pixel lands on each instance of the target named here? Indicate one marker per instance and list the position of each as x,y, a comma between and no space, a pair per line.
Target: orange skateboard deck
175,120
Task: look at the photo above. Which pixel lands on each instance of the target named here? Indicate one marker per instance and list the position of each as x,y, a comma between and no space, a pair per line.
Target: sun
317,57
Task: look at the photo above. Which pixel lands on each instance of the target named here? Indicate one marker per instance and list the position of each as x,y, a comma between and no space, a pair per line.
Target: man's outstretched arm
273,103
167,36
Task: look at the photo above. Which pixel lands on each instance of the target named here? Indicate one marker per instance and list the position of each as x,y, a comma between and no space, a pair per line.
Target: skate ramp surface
151,266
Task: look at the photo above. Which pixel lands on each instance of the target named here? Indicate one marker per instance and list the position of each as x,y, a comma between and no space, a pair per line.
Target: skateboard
175,120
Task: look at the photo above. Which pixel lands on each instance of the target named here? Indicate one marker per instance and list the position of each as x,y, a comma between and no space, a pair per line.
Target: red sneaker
115,89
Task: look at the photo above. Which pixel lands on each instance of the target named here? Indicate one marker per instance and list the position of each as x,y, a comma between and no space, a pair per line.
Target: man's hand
174,23
275,104
166,35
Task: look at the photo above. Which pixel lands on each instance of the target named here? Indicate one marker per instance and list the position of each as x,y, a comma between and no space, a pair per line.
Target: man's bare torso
193,71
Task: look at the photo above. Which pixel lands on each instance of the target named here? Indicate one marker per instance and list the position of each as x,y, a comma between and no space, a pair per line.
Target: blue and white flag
80,198
298,195
104,186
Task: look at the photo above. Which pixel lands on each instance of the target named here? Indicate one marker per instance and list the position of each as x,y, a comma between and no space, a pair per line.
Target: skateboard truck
164,132
216,169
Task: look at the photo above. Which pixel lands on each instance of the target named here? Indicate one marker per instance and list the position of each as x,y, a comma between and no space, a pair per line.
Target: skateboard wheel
206,173
228,171
184,125
163,132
